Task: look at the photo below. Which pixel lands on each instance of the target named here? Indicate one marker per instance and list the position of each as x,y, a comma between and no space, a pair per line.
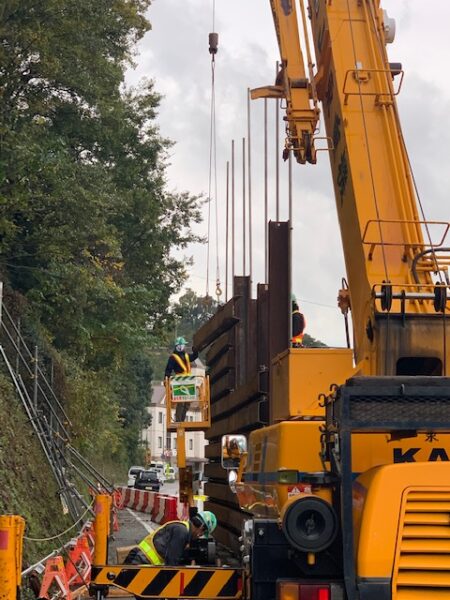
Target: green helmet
180,341
209,519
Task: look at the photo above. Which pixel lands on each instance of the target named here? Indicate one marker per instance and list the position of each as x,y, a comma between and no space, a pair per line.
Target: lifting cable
366,136
213,48
408,160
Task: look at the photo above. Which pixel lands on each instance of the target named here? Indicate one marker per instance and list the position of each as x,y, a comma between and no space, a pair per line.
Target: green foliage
27,486
186,317
310,342
87,226
192,311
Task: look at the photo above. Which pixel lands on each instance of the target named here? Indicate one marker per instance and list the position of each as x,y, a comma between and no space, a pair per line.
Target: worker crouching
167,544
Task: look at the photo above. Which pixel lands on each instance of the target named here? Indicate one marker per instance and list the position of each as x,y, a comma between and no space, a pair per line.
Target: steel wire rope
30,355
212,175
366,136
59,535
372,180
402,140
408,160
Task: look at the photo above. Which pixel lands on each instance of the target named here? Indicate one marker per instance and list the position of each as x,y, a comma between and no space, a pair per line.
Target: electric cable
58,535
366,136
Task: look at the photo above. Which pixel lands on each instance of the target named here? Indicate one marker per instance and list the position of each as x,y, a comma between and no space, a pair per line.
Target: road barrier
161,507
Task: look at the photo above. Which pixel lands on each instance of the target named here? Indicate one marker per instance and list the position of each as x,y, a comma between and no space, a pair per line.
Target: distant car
147,480
160,476
132,473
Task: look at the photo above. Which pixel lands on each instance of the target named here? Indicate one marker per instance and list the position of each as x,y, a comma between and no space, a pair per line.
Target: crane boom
389,264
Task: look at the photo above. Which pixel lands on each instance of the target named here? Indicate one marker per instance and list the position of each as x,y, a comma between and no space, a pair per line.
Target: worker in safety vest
298,326
180,363
167,544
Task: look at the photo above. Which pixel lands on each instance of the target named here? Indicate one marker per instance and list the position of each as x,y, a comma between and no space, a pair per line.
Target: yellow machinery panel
274,472
300,375
401,516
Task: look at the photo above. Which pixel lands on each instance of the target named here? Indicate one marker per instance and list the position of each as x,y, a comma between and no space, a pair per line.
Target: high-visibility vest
148,548
184,364
297,339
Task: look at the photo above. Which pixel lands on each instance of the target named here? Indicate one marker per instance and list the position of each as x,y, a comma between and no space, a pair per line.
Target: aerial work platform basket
188,394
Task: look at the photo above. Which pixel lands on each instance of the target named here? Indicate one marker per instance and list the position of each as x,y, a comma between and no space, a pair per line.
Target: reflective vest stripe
148,548
150,552
186,366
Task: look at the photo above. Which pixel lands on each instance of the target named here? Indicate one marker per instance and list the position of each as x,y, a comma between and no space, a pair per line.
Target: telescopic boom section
293,85
389,265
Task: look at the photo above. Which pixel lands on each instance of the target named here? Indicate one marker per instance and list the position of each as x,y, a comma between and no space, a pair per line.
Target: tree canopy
87,224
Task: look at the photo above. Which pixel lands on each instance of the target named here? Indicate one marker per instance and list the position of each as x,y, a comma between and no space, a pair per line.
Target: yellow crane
349,485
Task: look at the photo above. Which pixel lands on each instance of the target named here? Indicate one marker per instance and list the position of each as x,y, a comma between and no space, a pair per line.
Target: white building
161,444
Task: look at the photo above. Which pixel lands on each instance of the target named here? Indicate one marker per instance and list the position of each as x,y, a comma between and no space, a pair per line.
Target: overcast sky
175,54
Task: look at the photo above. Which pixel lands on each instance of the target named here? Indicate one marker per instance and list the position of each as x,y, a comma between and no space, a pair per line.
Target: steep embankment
27,487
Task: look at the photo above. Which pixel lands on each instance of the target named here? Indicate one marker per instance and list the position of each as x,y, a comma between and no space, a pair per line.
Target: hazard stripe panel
148,581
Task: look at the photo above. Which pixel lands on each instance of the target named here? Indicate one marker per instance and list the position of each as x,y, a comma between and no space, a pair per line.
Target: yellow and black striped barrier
148,581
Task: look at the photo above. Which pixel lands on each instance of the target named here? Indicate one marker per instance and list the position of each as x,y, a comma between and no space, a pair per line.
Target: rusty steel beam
223,365
223,386
232,518
279,289
220,347
215,471
242,298
243,420
213,450
224,319
262,319
243,395
222,492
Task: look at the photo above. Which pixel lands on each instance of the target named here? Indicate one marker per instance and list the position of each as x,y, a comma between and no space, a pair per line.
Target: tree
87,226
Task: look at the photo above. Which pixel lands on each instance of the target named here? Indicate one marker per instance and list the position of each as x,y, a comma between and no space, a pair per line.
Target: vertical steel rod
277,153
233,220
226,228
244,223
250,222
18,346
266,198
35,377
290,187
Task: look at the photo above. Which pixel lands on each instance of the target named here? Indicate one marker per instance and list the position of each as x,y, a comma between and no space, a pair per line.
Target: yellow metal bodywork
201,404
300,376
295,446
101,528
12,528
402,517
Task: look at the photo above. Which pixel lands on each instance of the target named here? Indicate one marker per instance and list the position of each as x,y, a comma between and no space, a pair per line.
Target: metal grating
427,409
422,567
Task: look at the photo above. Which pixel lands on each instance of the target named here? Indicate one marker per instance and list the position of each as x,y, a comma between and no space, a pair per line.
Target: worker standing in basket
180,363
167,544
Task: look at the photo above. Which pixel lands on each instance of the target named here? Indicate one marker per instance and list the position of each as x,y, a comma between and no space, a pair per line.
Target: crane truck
349,485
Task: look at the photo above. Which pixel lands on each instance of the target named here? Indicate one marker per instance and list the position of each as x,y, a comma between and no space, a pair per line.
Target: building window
168,443
159,442
191,444
160,416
